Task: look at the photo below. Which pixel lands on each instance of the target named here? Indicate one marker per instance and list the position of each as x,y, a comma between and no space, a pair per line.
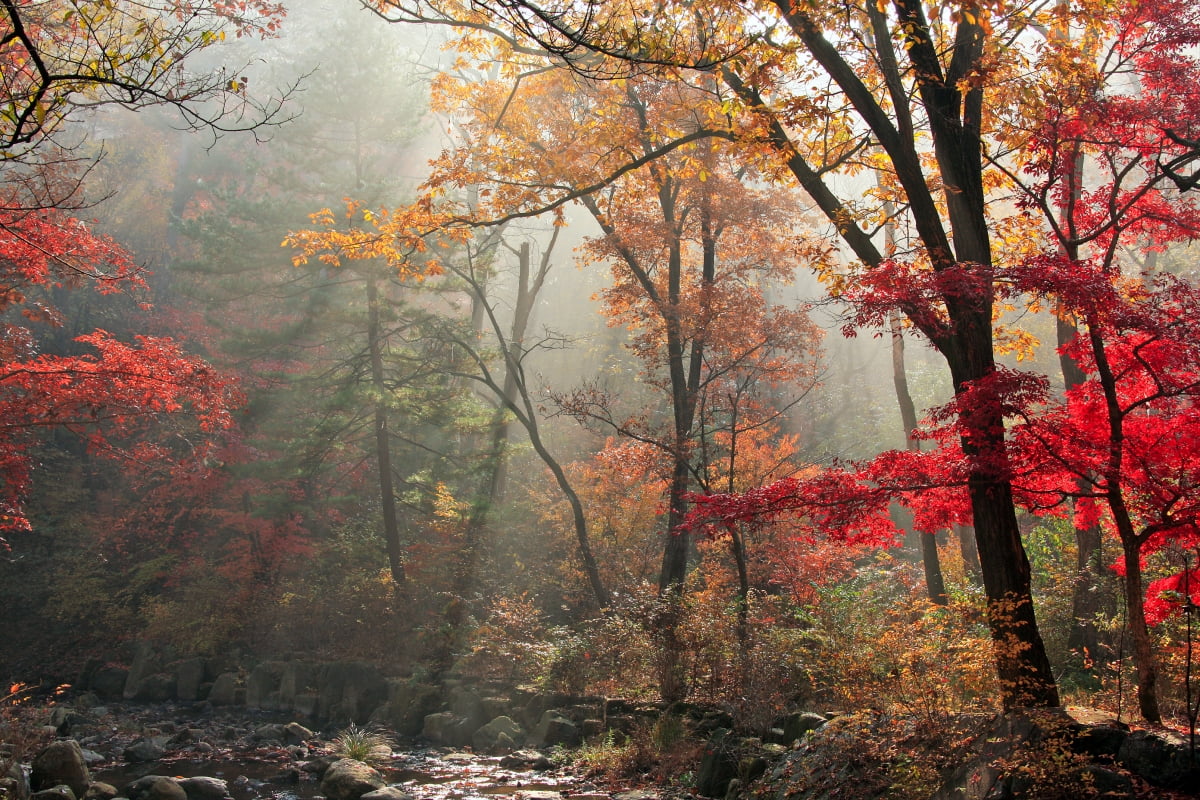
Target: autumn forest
764,354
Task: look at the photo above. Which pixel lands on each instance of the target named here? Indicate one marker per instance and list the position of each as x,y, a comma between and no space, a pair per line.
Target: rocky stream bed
92,751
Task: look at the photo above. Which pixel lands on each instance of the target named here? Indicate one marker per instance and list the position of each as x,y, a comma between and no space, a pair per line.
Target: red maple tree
109,394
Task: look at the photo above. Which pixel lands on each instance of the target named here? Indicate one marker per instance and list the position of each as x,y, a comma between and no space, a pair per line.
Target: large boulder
719,764
1162,758
350,691
501,735
13,785
146,662
189,678
205,788
60,792
556,729
60,762
224,690
297,687
156,688
262,687
407,706
347,779
145,750
155,787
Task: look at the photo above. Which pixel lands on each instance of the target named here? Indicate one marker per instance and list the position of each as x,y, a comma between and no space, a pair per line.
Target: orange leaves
401,237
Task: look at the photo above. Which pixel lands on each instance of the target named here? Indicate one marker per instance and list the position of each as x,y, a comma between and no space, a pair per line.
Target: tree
818,84
1124,440
109,391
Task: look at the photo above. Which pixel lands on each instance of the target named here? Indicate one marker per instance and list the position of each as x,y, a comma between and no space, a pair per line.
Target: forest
763,354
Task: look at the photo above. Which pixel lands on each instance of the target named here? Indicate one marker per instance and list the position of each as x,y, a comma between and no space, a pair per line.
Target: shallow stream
427,775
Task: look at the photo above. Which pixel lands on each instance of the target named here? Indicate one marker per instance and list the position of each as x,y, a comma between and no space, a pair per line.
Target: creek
424,774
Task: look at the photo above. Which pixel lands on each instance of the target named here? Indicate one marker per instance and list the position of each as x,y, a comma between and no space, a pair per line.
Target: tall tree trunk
1087,599
1145,664
383,446
935,582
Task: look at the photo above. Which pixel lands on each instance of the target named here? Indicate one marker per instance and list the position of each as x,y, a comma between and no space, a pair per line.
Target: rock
407,706
60,762
347,779
1109,784
64,718
718,765
272,732
189,677
60,792
13,785
297,687
295,733
144,750
319,766
205,788
441,728
1161,758
155,787
145,663
262,687
224,690
526,759
388,793
794,726
99,790
91,757
350,691
501,735
555,729
538,794
156,688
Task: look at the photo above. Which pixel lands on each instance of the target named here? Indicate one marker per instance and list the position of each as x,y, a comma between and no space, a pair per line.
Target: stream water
427,775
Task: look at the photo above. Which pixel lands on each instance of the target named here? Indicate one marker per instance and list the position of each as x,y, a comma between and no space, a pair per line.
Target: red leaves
109,397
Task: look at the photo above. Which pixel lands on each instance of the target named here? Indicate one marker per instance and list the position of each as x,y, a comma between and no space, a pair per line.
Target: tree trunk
935,582
383,447
1143,652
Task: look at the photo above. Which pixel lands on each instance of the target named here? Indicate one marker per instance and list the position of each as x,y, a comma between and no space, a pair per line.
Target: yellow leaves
445,505
399,237
1015,342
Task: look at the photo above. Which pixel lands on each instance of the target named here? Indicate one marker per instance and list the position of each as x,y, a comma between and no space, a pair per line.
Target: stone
13,785
440,728
795,726
527,759
189,677
272,732
295,733
388,793
350,691
1161,758
108,682
555,729
347,779
224,690
501,735
60,792
718,765
60,762
144,750
407,706
99,790
145,663
297,680
205,788
155,787
262,687
156,688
